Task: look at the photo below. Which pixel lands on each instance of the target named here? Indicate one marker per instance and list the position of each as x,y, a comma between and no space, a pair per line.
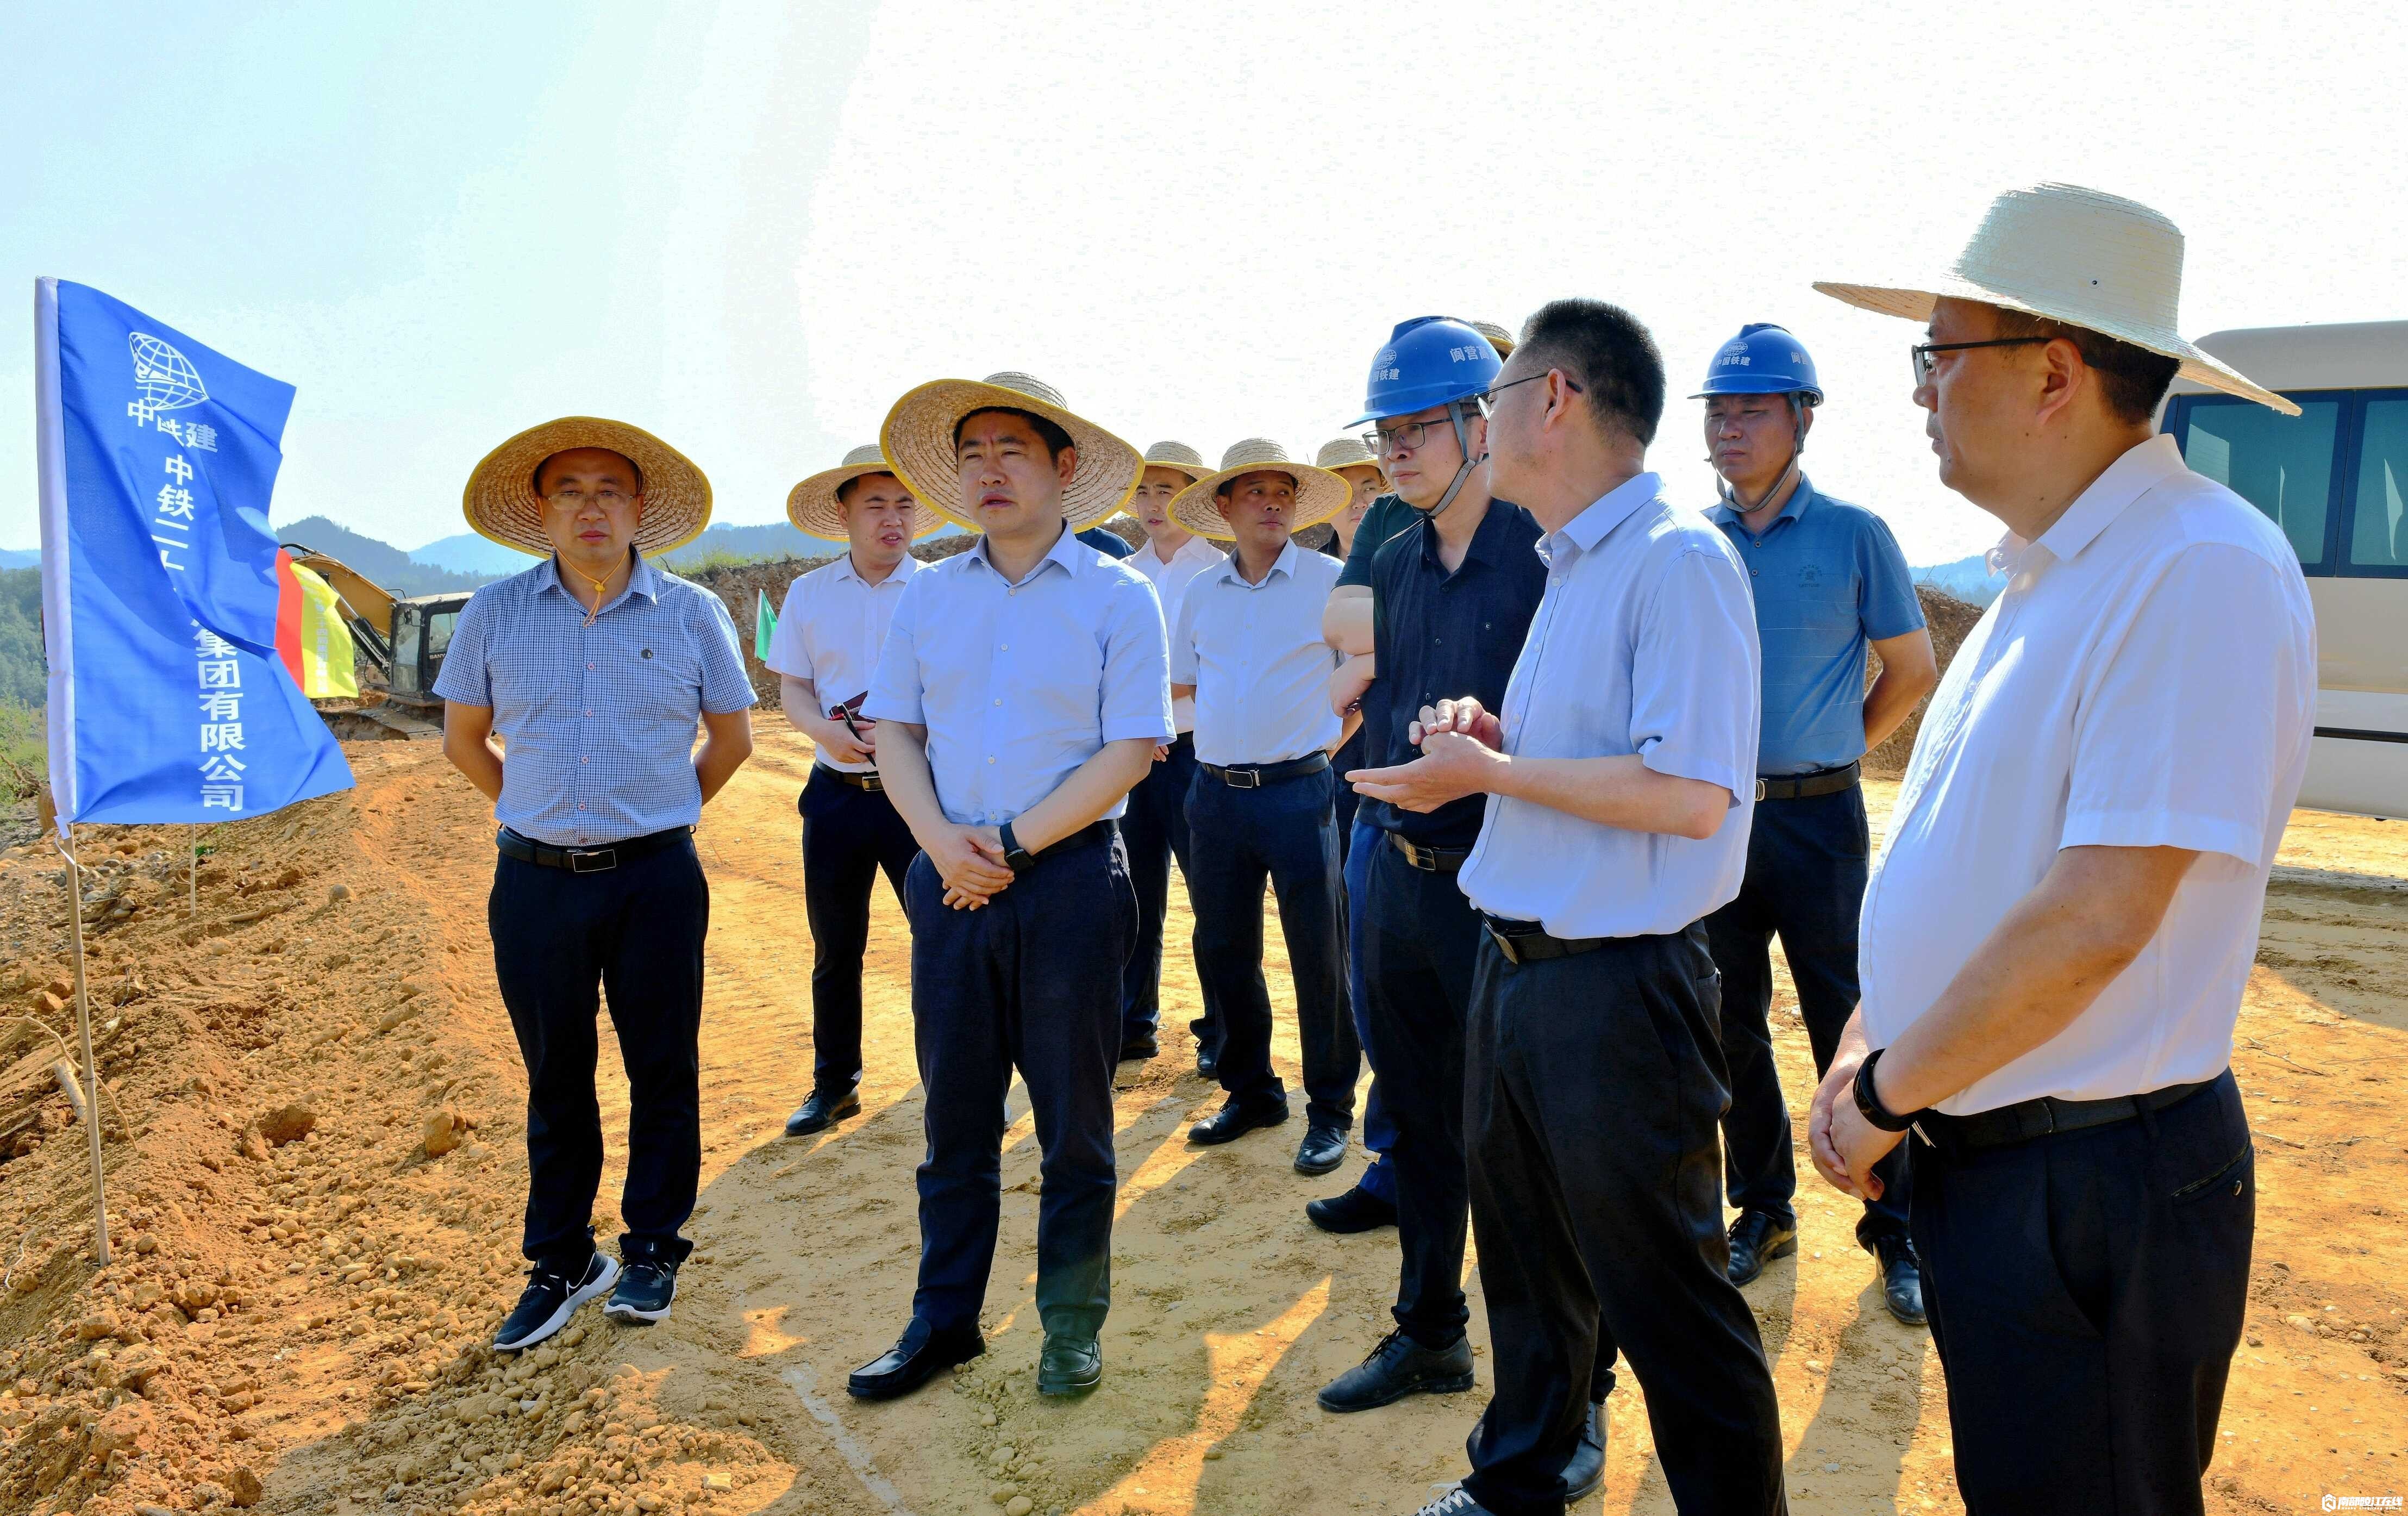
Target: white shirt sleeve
1182,636
1135,698
1695,697
788,654
2177,739
896,688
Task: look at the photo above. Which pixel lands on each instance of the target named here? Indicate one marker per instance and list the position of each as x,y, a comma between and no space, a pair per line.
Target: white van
2335,479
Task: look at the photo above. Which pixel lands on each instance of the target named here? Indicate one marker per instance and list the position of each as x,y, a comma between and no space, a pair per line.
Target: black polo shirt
1439,636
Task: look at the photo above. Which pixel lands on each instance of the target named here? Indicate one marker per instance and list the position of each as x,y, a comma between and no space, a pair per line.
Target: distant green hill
22,666
389,565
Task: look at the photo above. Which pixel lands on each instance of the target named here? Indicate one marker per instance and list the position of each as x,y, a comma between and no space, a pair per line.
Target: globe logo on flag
168,380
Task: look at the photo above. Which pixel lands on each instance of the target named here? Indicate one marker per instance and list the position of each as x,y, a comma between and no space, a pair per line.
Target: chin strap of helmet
1456,413
1740,503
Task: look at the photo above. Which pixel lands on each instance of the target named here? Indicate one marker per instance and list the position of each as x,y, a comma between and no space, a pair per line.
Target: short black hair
844,491
2131,378
1609,353
1054,437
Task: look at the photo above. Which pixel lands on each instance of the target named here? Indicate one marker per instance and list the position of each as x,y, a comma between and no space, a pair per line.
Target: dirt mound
1950,620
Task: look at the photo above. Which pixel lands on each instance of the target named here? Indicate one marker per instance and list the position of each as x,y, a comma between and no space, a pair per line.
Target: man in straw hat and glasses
1830,585
826,646
1619,773
594,669
1155,827
1247,648
1021,694
2060,927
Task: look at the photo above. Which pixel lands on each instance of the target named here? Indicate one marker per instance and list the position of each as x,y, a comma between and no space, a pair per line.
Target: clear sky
749,227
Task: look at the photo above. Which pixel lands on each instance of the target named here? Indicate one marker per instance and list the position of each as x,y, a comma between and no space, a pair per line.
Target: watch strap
1868,1102
1020,859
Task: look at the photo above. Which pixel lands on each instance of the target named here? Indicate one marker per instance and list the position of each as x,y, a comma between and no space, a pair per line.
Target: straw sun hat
1498,338
1319,493
1179,456
813,505
1347,453
502,505
2082,257
918,439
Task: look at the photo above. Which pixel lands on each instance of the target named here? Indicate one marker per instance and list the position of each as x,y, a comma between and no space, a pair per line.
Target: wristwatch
1019,858
1868,1104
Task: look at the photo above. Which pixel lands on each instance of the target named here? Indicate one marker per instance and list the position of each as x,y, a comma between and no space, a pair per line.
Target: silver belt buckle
1759,789
1253,778
578,859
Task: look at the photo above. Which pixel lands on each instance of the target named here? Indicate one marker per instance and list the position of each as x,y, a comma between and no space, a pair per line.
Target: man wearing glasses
1829,582
1451,598
593,667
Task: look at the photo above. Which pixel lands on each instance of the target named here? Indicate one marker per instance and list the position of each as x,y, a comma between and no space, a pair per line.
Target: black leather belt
1801,786
1255,776
2046,1117
1430,859
588,859
1526,942
869,781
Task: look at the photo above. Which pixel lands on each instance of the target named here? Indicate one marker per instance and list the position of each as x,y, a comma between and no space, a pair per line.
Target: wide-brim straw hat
814,509
1178,455
1347,453
918,440
502,505
1498,338
2080,256
1319,493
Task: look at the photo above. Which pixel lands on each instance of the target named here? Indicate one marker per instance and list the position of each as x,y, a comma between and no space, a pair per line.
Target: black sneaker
1398,1368
551,1299
646,1287
1356,1210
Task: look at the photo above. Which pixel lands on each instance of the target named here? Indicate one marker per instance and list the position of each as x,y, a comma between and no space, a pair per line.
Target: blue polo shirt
1106,541
1829,580
1439,635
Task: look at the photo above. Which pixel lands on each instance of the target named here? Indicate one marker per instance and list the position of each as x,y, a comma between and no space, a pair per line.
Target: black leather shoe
1139,1052
921,1355
1902,1279
1356,1210
1398,1368
1208,1065
1323,1149
1757,1238
1234,1120
823,1111
1068,1366
1585,1469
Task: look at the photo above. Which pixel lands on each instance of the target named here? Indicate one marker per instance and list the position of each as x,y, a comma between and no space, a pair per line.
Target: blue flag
163,589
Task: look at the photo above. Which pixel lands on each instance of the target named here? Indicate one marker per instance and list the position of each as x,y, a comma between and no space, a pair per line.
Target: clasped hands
1845,1145
1462,750
969,860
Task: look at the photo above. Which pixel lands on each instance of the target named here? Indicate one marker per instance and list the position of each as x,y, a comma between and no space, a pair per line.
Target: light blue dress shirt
1019,683
1644,642
597,722
1255,655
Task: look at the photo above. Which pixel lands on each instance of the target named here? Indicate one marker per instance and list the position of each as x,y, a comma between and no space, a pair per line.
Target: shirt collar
905,570
1726,514
2140,470
1610,510
1283,564
643,579
1067,550
1487,544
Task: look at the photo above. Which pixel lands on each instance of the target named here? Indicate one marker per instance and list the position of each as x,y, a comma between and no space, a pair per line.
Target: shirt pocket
662,673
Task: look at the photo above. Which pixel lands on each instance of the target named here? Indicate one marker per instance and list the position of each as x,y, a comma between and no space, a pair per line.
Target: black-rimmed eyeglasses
1922,353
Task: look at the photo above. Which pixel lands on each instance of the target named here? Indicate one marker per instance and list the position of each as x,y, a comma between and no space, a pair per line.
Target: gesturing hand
1452,766
1465,716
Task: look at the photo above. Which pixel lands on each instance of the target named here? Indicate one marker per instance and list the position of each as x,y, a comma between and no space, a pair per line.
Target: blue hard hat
1427,361
1763,359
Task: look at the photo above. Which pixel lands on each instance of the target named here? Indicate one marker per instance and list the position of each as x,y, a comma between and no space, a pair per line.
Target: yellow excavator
404,637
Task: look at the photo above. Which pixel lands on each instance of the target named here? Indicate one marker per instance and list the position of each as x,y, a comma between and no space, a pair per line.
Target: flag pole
192,878
83,1033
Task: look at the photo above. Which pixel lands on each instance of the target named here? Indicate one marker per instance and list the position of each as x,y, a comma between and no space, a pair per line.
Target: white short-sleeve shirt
2148,678
1255,655
1644,641
831,627
1019,683
1171,580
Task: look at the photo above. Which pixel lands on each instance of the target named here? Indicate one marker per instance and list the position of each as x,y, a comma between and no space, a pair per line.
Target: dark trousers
1156,829
1595,1085
1030,982
1379,1132
2086,1292
849,836
1418,940
1284,833
1806,869
635,935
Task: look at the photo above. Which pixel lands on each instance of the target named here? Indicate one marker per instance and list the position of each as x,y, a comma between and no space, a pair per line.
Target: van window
2281,464
2378,537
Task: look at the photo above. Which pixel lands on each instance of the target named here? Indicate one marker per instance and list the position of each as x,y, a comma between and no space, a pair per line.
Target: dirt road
352,1356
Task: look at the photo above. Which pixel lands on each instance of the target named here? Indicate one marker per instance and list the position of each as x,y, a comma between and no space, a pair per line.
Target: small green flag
764,623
